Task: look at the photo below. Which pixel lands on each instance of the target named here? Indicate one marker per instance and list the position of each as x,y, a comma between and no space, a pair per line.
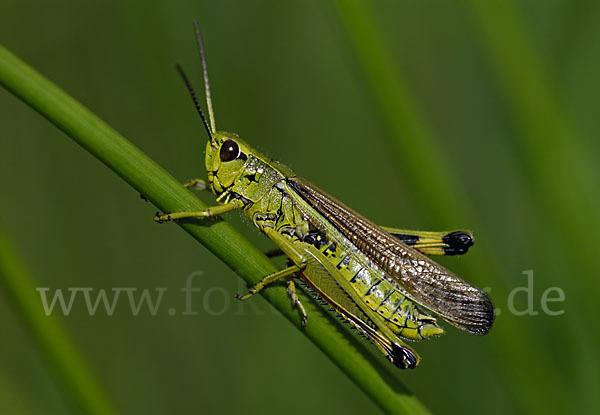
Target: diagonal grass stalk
413,142
562,175
356,359
69,366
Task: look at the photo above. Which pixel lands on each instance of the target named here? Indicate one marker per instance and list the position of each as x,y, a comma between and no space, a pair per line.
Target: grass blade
414,144
355,358
52,339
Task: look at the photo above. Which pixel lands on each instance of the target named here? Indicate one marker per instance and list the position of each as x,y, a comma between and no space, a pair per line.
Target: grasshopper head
226,154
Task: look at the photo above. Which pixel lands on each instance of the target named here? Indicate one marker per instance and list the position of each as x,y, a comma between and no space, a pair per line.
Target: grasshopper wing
423,280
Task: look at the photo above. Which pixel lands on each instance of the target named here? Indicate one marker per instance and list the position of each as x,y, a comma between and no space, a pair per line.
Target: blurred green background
505,94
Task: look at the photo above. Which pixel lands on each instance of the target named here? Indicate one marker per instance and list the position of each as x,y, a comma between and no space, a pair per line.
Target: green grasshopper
378,279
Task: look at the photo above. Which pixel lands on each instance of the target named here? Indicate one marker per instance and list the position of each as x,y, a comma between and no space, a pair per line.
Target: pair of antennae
210,128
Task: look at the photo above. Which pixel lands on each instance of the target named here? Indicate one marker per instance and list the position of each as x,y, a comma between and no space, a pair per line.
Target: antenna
193,95
211,114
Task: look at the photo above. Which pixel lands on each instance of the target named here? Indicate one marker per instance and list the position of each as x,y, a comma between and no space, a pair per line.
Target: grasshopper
378,279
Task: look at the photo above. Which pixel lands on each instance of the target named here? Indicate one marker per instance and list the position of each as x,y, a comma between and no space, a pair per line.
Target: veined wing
426,282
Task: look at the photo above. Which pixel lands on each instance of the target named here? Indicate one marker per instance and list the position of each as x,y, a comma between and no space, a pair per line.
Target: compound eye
229,151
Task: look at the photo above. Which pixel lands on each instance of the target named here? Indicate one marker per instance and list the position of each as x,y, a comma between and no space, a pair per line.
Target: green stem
355,358
559,168
71,370
414,143
411,138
